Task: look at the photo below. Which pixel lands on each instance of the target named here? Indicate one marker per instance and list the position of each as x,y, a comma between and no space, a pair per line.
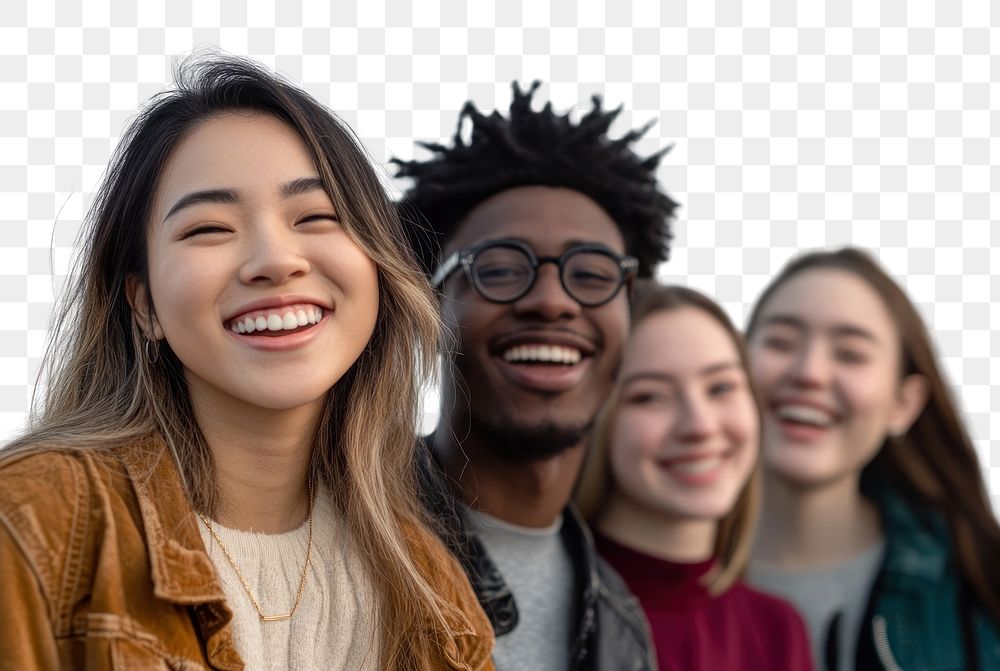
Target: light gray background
795,125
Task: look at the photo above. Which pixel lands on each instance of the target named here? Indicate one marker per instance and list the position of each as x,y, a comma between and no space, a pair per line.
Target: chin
278,402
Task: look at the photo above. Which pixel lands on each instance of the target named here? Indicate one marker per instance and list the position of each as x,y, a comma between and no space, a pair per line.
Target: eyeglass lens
506,273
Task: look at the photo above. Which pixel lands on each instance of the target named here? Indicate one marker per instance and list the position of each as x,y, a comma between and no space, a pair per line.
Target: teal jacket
920,617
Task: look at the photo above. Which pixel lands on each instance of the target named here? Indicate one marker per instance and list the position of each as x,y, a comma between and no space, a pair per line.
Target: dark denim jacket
920,616
610,633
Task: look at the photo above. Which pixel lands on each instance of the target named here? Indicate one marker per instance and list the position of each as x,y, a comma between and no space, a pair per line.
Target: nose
698,420
811,368
272,255
547,299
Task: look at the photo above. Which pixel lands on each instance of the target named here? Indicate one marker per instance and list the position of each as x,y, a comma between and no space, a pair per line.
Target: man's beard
529,443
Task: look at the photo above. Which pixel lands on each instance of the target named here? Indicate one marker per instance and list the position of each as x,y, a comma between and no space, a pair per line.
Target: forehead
678,341
233,150
547,218
825,298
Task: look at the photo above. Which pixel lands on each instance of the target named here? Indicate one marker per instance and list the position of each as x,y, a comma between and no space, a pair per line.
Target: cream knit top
334,626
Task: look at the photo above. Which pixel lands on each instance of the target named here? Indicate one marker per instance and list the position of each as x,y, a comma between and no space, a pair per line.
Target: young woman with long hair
221,473
671,489
876,520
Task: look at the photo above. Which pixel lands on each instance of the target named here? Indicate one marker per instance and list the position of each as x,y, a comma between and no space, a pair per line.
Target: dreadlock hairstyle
537,148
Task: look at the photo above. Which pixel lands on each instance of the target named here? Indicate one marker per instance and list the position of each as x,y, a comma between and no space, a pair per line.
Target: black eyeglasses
502,271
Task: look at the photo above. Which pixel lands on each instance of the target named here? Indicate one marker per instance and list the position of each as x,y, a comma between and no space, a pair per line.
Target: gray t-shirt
539,572
819,595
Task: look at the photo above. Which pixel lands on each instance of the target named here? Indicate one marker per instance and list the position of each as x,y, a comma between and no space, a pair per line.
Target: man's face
543,364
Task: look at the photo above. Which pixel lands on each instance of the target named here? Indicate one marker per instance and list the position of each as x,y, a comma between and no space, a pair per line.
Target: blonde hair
734,535
103,391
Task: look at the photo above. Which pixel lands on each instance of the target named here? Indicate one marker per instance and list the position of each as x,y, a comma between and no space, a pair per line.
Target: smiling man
533,230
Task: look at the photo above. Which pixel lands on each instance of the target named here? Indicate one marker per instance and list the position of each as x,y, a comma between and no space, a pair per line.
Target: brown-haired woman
671,489
876,521
221,473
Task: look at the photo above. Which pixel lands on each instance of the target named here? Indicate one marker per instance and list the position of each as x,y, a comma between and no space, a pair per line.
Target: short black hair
544,148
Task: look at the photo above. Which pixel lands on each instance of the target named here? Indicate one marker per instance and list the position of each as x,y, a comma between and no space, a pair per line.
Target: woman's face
684,439
825,356
256,286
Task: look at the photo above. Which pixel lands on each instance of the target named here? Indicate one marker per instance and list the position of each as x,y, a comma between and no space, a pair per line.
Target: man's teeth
804,414
548,353
282,319
696,467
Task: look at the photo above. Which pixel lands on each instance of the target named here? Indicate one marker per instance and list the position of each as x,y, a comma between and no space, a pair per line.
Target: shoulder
471,633
779,626
771,608
623,630
49,486
48,501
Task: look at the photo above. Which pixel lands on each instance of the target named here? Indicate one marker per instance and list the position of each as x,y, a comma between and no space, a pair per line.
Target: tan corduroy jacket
102,567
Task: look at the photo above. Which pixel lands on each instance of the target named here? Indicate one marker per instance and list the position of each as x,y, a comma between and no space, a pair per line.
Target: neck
261,460
808,527
656,534
527,493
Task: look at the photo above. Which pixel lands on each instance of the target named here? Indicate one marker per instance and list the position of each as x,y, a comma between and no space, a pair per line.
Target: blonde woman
670,488
220,475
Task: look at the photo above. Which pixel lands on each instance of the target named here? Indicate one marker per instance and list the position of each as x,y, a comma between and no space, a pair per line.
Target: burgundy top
739,629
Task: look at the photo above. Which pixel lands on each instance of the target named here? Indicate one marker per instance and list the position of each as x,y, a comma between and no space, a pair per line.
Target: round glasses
502,271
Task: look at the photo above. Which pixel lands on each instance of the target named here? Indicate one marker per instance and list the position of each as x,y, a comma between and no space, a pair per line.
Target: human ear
910,401
142,311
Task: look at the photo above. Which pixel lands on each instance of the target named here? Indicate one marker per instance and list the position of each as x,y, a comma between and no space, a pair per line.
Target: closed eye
204,230
321,216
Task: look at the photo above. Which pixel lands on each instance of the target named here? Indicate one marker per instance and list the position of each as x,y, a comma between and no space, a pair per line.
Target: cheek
745,420
182,281
638,436
742,426
870,393
613,323
766,368
464,315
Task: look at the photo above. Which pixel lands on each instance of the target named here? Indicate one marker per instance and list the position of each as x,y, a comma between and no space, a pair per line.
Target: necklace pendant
275,618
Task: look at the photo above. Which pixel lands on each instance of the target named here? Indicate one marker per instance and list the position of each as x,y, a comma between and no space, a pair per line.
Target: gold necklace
239,574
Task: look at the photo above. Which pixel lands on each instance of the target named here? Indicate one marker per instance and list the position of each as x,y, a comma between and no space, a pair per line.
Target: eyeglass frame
628,266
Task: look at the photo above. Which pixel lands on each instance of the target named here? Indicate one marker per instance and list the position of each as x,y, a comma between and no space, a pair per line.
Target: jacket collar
440,495
580,544
918,545
181,570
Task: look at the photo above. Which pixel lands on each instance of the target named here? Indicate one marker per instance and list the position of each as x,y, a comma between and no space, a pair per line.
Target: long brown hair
734,535
934,464
102,390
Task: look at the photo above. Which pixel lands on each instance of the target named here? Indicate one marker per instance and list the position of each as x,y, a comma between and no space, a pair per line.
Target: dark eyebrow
229,196
301,185
658,376
843,329
209,196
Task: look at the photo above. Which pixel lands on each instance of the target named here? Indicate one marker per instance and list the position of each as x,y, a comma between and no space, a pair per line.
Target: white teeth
804,414
283,320
697,467
547,353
